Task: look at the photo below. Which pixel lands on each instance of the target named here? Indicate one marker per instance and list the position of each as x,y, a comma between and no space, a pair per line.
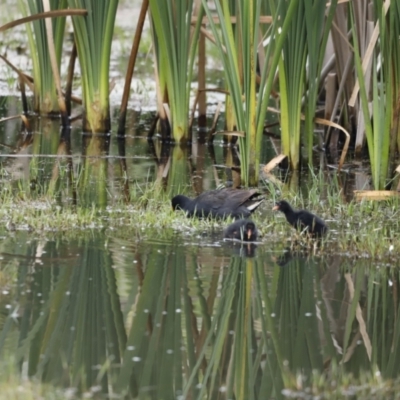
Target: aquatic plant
379,82
93,37
318,21
44,89
291,82
238,50
299,74
175,43
277,47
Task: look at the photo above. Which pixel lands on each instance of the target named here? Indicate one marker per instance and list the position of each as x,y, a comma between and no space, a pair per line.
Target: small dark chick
243,230
302,220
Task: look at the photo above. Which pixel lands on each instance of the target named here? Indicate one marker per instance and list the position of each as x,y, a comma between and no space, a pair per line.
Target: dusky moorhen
219,203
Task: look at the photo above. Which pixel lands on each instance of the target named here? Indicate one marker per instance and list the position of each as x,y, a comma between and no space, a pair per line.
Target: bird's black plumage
302,220
220,203
243,229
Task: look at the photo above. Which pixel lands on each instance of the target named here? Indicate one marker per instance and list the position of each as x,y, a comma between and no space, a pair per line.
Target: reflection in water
289,255
161,320
86,170
96,150
242,249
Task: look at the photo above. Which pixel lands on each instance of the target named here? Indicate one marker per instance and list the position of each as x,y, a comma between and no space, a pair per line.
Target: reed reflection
161,319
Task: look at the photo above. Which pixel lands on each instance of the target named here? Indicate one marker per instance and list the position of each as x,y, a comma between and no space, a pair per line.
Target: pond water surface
162,320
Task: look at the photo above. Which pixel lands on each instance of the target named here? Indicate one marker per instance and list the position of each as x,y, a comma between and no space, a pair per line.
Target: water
108,317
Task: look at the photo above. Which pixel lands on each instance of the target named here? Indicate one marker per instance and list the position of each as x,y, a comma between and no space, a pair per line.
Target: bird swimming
243,229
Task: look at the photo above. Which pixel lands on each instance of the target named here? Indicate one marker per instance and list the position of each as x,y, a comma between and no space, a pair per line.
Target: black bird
243,229
219,203
302,220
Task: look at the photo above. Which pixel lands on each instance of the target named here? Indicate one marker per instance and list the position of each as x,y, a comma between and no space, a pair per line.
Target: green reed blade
220,321
189,318
114,321
363,93
241,352
52,336
306,350
202,301
384,96
317,32
270,324
176,44
45,97
137,338
238,47
291,73
93,36
351,315
281,27
323,299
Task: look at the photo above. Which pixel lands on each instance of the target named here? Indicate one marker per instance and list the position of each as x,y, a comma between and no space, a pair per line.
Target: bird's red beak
248,234
275,208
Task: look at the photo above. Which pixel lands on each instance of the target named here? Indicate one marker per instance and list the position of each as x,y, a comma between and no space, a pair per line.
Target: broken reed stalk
346,143
48,14
23,118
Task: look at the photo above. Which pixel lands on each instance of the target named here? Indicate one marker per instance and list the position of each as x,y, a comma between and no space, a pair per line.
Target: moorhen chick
302,220
219,203
244,230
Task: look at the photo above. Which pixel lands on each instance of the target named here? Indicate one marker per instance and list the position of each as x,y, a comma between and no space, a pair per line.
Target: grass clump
361,229
148,209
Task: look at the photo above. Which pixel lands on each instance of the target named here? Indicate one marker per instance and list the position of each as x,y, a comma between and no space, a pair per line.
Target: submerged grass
358,229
